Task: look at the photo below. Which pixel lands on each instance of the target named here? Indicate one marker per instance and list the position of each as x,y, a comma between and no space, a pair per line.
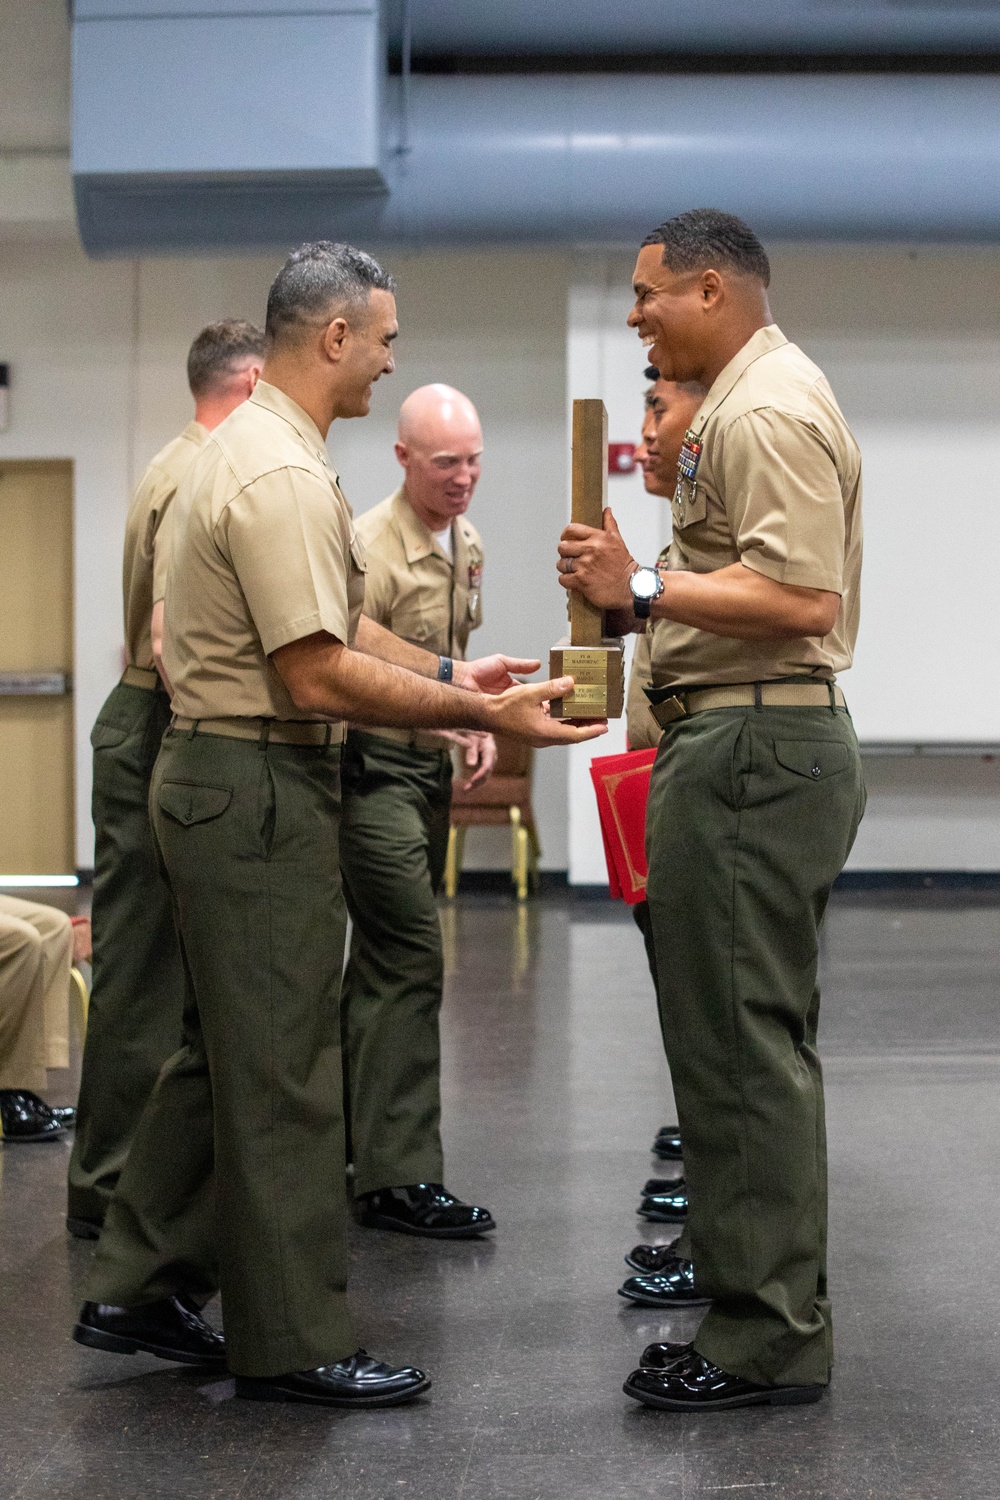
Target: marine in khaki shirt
134,1023
777,488
236,1179
754,804
265,552
146,516
424,583
416,588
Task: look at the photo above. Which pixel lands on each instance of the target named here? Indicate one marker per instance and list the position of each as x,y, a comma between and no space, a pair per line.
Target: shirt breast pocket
690,506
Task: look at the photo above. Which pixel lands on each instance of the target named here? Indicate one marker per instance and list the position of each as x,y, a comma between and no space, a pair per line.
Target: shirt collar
272,399
418,540
195,433
762,342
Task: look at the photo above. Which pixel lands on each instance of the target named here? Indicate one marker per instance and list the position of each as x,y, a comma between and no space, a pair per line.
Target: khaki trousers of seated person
36,952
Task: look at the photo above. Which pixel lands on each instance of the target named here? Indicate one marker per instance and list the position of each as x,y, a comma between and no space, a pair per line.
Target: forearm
325,677
374,640
744,605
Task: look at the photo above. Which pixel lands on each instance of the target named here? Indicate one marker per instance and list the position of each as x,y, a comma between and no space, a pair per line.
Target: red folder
622,786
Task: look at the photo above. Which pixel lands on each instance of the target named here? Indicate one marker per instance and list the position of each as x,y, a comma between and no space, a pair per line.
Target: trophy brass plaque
594,660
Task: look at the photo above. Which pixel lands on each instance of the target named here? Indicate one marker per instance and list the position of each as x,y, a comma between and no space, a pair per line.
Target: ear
713,289
253,375
334,339
402,454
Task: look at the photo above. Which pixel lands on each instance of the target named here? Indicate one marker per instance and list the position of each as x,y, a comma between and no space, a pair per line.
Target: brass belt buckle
670,709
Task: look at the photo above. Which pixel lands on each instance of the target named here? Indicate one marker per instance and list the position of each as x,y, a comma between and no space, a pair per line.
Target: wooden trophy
595,661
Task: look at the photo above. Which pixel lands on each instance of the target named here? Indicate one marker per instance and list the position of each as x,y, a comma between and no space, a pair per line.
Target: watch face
645,583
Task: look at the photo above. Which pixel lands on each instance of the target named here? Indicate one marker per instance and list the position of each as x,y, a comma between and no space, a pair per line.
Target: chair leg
534,854
453,860
80,985
519,854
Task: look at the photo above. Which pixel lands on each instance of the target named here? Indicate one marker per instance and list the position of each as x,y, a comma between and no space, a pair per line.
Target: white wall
911,343
97,354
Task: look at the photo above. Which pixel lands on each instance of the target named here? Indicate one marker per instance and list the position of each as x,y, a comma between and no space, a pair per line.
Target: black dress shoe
667,1145
84,1229
425,1208
651,1259
358,1380
24,1118
691,1383
662,1356
655,1185
668,1207
61,1112
170,1329
672,1287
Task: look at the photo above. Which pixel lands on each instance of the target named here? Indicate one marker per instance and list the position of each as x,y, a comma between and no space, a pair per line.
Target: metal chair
504,799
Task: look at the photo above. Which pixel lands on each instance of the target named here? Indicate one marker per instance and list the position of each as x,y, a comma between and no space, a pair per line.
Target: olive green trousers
393,844
752,814
134,1019
236,1177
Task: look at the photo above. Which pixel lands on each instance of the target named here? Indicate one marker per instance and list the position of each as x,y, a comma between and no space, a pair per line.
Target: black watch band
446,668
641,607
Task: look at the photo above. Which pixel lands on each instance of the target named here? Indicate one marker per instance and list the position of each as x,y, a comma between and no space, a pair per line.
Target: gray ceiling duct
518,28
248,128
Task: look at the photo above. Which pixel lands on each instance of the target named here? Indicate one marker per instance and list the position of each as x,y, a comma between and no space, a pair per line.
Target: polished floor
555,1084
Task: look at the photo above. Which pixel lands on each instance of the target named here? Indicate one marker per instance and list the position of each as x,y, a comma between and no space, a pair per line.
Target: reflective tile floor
555,1085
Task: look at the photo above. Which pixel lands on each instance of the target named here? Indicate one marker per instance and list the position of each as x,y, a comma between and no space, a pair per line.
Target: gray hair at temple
218,353
318,282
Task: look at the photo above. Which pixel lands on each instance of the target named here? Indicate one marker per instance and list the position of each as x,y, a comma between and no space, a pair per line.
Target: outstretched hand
523,711
597,564
492,674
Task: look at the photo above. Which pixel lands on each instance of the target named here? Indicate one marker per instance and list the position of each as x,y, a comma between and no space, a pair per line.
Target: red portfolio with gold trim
622,786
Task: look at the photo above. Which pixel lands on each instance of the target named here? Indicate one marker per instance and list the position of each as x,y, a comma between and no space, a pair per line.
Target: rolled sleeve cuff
799,576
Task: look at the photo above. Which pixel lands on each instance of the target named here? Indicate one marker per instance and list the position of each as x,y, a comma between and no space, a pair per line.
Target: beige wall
97,355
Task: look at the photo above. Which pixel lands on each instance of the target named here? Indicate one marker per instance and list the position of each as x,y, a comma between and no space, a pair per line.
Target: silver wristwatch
646,585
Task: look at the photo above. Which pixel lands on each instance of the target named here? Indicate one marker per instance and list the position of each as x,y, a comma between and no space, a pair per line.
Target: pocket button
817,772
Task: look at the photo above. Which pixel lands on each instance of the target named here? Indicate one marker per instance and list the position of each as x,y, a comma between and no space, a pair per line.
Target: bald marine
424,561
439,446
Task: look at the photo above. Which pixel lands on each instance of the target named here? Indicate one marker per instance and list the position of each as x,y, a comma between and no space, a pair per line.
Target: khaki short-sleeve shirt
777,487
412,586
144,551
643,730
264,552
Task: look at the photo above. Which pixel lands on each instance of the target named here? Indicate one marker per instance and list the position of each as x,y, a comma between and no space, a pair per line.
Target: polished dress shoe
668,1207
84,1229
654,1185
358,1380
425,1208
170,1329
692,1384
24,1118
650,1259
671,1287
661,1356
667,1145
64,1113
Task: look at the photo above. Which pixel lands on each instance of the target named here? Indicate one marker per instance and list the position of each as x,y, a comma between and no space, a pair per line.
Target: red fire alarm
621,458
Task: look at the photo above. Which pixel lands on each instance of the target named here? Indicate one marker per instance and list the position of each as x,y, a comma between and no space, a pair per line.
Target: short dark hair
706,237
218,350
316,280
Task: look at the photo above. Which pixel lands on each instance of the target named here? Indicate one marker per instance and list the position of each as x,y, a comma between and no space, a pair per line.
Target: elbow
824,615
307,697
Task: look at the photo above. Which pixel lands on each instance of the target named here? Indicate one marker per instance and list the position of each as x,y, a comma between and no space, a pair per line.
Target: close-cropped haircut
317,282
218,351
707,239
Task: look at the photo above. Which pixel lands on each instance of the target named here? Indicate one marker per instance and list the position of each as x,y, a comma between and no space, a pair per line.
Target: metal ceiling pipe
580,27
598,159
